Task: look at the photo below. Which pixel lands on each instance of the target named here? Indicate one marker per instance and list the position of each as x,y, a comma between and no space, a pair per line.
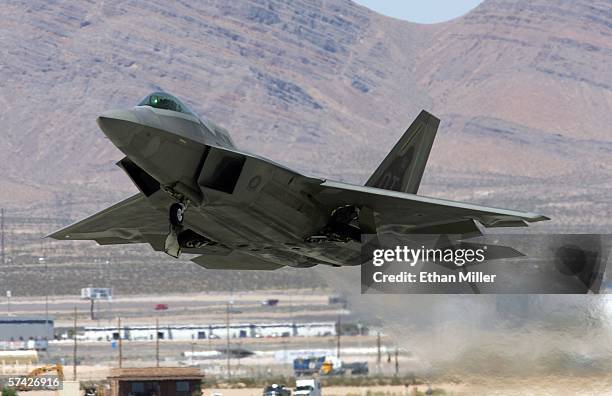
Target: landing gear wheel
177,211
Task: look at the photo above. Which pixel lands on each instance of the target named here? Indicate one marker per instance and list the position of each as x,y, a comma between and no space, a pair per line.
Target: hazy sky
428,11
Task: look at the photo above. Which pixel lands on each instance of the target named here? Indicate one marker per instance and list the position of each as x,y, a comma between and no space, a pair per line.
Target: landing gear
171,246
343,226
176,215
177,212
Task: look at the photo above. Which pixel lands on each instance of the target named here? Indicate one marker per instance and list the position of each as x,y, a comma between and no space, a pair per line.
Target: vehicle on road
308,387
276,390
308,365
271,302
332,366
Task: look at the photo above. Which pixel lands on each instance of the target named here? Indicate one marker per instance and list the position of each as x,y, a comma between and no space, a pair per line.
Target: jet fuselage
174,149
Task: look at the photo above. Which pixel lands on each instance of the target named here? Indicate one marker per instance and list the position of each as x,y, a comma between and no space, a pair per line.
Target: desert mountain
523,88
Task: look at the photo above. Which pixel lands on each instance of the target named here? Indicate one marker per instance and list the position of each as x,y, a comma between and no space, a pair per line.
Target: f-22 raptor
198,194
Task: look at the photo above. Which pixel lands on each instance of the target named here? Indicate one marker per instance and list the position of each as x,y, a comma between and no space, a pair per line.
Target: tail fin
403,167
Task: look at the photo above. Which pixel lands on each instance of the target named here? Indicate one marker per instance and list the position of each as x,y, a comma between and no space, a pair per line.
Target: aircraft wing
132,220
415,212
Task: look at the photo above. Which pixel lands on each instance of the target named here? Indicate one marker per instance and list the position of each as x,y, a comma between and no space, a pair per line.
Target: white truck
307,387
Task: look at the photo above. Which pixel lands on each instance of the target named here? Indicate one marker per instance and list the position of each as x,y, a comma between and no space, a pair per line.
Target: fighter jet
200,195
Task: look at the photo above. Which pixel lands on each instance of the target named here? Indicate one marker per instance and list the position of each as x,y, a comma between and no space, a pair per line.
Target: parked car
276,390
271,302
307,387
161,307
336,299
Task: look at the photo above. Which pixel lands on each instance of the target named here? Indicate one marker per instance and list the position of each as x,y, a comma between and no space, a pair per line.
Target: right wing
132,220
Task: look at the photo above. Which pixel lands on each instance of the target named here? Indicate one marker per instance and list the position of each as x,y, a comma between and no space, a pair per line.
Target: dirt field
543,386
553,386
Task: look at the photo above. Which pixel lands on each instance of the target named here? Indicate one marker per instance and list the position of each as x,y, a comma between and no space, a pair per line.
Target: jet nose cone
120,126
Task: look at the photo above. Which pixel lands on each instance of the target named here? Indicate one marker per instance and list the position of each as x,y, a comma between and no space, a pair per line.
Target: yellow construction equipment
57,367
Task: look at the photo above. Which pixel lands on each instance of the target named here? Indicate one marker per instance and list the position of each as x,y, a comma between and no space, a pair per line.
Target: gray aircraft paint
247,212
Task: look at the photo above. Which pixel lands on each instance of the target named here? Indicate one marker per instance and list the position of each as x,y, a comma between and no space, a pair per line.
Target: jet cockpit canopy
162,100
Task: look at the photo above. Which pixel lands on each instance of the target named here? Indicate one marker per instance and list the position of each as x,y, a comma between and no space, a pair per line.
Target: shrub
9,392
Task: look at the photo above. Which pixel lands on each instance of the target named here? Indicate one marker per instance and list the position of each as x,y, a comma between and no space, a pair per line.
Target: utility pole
396,363
157,340
227,348
74,352
120,343
209,338
110,286
44,261
91,308
2,234
42,258
338,334
378,356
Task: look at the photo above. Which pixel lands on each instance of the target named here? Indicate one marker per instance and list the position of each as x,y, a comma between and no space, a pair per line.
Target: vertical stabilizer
403,167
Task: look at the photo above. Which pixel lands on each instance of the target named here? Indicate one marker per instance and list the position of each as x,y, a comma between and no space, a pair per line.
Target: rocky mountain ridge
522,87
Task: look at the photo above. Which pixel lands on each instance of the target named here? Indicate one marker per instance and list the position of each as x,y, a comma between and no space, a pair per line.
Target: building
202,332
14,328
156,381
21,332
16,358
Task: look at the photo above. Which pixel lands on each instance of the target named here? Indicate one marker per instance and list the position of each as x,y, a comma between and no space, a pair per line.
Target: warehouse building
201,332
20,332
